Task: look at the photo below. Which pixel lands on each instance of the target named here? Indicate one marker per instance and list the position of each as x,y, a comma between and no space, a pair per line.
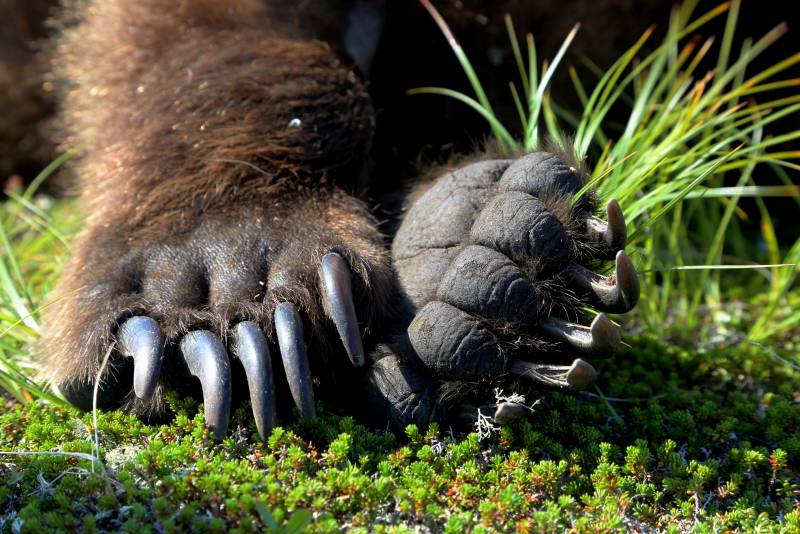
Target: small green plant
687,135
297,522
695,446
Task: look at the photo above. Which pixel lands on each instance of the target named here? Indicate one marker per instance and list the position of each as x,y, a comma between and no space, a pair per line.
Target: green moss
706,440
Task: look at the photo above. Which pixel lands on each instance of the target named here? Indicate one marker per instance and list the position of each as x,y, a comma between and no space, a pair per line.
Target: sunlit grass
689,135
33,237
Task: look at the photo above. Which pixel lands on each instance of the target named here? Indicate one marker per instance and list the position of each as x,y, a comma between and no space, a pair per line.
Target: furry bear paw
199,311
499,262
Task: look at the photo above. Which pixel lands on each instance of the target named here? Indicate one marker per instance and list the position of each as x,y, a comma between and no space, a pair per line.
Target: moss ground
705,440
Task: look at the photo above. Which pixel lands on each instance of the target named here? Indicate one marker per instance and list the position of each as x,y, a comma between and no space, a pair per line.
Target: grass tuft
687,137
34,236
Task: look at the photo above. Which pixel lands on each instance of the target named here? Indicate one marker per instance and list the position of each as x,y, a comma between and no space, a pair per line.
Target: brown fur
26,100
197,182
165,125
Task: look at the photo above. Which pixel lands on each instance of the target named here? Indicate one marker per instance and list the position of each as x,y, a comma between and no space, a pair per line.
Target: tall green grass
33,237
689,135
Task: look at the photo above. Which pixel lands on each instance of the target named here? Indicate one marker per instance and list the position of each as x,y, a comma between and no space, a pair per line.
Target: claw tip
338,295
617,229
581,375
289,330
141,338
206,358
606,333
509,412
627,280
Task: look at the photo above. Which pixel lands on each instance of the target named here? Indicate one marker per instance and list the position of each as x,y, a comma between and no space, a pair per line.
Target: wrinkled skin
492,259
229,253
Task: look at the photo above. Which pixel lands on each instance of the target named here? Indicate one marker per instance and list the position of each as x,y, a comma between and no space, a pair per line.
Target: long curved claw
502,413
600,340
613,233
339,299
140,338
250,346
616,294
289,328
206,358
507,413
579,376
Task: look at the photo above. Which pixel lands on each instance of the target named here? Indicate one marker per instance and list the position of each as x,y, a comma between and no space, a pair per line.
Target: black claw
250,346
507,413
340,307
140,338
627,280
504,413
613,233
617,294
580,375
207,359
600,340
289,328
